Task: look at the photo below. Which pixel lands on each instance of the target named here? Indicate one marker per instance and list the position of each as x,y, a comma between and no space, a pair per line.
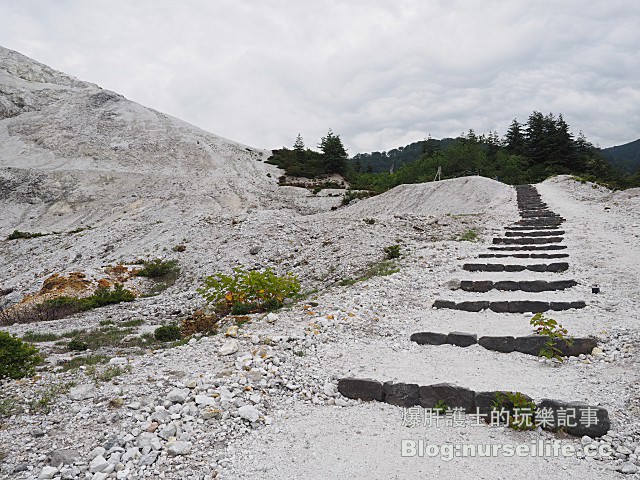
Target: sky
379,73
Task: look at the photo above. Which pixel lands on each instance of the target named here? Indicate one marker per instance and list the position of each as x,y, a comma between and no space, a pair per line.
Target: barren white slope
73,155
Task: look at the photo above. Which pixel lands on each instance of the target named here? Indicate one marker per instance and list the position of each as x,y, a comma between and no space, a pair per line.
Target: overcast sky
380,73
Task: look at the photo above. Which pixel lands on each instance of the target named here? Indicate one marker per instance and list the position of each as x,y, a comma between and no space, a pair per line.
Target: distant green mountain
624,157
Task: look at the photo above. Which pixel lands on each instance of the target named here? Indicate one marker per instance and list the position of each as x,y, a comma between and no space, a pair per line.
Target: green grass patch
40,337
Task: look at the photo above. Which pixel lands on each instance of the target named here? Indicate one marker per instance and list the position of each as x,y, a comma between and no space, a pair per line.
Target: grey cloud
380,73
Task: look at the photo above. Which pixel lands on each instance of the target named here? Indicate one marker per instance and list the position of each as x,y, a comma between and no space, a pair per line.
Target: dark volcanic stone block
401,394
498,344
429,338
499,307
566,305
575,418
363,389
578,345
507,285
557,267
472,306
476,286
452,395
514,268
462,339
531,344
538,267
444,304
524,306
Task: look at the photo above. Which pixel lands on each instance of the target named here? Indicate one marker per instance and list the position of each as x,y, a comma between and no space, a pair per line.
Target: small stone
586,440
229,347
96,451
168,431
204,400
47,472
249,412
629,468
98,464
178,448
100,476
255,250
21,467
118,361
148,439
272,317
63,457
150,458
83,392
623,450
597,351
178,395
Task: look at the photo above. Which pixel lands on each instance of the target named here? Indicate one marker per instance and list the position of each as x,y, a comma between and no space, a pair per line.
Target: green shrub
392,251
248,291
441,407
519,410
18,359
554,332
469,236
17,234
167,333
77,346
158,268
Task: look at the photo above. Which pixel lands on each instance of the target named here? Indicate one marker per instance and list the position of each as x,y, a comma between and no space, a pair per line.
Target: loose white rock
229,347
82,392
178,448
249,412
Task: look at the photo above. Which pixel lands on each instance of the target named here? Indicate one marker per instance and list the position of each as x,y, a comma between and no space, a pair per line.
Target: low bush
392,251
18,359
167,333
200,322
248,291
159,268
554,331
513,409
17,234
469,236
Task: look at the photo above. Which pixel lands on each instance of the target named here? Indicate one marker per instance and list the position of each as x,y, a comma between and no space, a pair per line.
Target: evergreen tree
334,155
514,139
298,148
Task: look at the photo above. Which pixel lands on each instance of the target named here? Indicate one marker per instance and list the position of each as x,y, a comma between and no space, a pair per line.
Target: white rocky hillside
108,181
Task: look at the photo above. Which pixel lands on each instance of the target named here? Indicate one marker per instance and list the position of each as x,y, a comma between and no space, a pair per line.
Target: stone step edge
483,286
529,344
409,395
554,267
511,306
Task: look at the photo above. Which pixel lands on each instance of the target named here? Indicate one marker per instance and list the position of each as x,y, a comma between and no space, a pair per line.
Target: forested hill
377,162
624,157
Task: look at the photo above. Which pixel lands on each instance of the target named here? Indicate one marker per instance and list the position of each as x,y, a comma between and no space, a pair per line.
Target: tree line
528,153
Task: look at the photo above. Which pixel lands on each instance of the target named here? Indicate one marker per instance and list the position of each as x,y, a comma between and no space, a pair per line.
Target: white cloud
380,73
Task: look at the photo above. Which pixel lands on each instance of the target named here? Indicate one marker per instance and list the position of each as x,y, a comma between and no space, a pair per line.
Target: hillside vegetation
528,153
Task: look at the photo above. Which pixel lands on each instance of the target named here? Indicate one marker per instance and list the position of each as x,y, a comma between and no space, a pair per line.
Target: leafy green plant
554,332
469,236
86,360
518,408
248,291
392,251
159,268
18,359
167,333
42,403
440,407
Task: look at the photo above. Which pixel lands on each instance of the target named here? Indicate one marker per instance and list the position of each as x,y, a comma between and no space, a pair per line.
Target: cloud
379,73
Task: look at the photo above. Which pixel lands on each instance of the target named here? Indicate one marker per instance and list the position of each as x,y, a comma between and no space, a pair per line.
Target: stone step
526,240
532,247
530,344
535,225
574,418
482,286
544,233
523,255
519,228
512,306
500,267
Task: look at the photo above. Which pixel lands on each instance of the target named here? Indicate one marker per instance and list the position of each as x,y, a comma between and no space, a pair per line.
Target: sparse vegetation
352,195
61,307
440,407
18,359
554,332
86,360
515,409
46,397
159,268
200,322
469,236
179,248
40,337
392,251
248,291
167,333
369,221
17,234
378,269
